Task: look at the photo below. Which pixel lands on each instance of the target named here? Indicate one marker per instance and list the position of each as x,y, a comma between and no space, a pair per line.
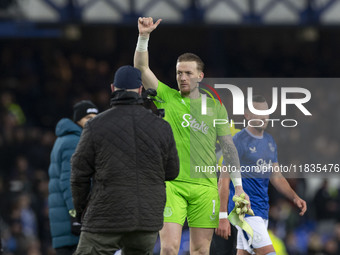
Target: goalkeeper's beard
190,91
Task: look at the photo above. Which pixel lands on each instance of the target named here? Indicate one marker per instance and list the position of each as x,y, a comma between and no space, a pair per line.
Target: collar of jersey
189,99
252,135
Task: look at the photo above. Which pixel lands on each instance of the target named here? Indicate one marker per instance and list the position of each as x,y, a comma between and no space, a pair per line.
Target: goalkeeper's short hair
191,57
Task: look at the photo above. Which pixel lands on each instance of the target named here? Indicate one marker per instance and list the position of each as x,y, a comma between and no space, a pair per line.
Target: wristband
223,215
142,43
237,181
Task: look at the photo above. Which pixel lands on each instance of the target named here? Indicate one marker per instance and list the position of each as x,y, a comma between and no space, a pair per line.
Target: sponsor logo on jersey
191,122
263,165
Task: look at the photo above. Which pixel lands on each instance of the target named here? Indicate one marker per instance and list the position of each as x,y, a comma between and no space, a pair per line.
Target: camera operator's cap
83,108
127,77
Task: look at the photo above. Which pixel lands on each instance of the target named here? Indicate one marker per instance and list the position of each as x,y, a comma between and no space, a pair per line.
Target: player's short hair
192,57
256,99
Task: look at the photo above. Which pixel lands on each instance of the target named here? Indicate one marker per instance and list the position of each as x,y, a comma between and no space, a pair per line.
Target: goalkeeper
190,195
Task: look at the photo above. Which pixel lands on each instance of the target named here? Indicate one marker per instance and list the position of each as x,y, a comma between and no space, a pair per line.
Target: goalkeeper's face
259,122
188,76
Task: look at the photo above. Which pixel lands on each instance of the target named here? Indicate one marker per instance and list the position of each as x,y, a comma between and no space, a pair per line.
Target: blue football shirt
256,154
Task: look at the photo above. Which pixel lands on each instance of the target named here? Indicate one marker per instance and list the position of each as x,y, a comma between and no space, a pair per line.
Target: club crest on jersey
271,147
194,124
252,149
167,211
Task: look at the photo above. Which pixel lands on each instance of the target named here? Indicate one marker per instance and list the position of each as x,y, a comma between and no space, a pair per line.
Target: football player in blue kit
257,151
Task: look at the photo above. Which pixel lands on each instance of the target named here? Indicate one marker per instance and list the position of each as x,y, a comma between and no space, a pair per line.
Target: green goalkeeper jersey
194,133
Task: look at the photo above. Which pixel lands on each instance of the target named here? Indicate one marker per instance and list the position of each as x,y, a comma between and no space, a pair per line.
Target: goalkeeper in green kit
194,194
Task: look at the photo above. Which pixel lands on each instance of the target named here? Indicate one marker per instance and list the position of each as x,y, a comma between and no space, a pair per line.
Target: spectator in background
325,203
1,250
64,229
17,243
129,153
8,103
27,216
337,236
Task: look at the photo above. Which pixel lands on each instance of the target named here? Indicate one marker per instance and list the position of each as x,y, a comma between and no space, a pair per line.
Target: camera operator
129,153
149,96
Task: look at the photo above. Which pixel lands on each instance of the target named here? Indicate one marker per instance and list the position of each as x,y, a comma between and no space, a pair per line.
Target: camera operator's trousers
131,243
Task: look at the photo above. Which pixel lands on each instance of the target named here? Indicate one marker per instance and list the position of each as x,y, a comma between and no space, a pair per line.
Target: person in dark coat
119,170
64,228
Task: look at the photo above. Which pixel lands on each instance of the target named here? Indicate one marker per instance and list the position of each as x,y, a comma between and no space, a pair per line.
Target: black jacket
119,167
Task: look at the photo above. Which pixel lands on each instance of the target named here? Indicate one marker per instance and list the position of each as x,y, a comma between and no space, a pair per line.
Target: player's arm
281,184
141,58
232,161
223,229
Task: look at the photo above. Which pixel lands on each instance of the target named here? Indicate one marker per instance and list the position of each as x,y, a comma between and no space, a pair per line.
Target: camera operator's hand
75,223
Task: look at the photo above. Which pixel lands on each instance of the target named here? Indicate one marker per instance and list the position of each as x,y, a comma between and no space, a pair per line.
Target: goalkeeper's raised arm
141,58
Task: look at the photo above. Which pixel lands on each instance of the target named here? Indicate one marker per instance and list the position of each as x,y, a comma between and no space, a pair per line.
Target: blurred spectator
17,243
337,237
292,245
20,177
326,203
27,216
331,247
40,206
1,250
12,108
64,227
314,245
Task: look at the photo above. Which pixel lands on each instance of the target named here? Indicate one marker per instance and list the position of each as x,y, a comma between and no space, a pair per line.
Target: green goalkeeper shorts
198,203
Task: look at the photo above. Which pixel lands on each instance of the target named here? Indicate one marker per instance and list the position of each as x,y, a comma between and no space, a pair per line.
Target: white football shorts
260,239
